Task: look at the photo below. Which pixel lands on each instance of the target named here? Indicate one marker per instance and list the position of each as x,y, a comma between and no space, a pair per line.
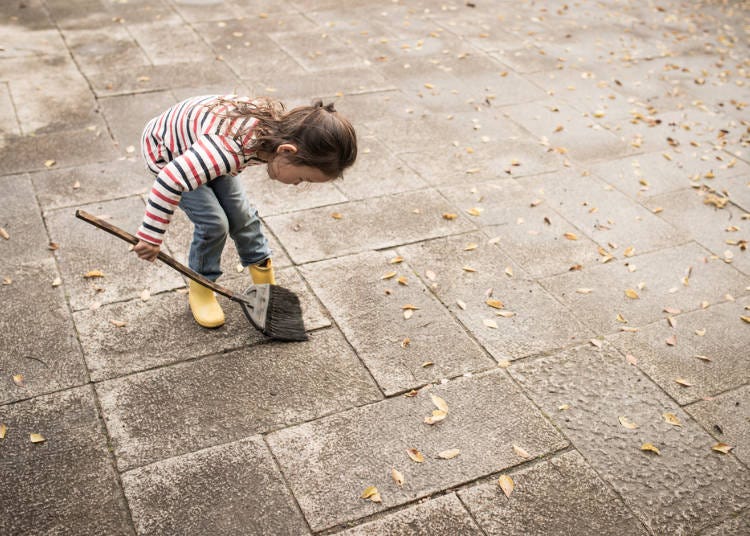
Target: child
197,147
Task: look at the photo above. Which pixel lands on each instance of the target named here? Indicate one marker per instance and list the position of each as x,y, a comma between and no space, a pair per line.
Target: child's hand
146,251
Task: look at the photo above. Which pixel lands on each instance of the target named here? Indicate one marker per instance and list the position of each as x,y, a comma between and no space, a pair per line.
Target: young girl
197,147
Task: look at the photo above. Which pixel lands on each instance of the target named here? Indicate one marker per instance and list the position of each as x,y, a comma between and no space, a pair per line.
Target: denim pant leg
210,230
244,224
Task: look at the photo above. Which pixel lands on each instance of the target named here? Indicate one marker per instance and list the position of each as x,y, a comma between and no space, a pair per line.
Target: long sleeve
211,156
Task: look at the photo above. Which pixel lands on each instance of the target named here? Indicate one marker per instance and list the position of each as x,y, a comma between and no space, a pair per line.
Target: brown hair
325,139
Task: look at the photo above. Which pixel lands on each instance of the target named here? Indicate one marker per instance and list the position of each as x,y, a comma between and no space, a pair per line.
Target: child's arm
211,156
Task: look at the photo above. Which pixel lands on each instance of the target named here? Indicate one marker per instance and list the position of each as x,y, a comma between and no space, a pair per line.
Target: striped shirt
185,147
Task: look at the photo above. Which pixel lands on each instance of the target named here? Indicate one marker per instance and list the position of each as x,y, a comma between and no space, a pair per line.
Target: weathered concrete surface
66,483
401,353
171,410
561,495
590,392
190,494
444,516
586,149
330,462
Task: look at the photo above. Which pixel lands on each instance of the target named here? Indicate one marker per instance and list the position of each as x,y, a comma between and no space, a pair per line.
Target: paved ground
583,166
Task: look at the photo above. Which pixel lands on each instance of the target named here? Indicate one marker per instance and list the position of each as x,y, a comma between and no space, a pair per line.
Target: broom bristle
284,316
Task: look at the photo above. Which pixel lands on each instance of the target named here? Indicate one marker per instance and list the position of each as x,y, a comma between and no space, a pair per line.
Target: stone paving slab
371,317
737,526
444,516
82,249
315,234
725,417
527,227
91,183
174,410
605,215
561,495
661,273
538,324
191,495
66,484
336,82
709,226
717,333
37,337
329,462
184,42
19,215
111,350
668,491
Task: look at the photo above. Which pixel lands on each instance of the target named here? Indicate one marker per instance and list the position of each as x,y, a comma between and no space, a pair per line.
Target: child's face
279,169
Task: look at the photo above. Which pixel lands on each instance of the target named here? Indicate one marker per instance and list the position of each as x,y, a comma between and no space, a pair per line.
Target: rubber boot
206,310
262,273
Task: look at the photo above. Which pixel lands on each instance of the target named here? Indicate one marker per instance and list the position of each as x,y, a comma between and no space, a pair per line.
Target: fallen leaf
704,358
672,310
437,416
564,407
632,294
490,323
449,216
118,323
336,215
449,454
56,282
396,260
631,359
700,332
4,233
506,314
745,319
468,269
427,364
506,484
495,304
145,295
722,447
37,438
18,379
509,271
49,163
621,319
521,452
92,274
571,236
403,281
629,251
415,455
7,280
683,382
3,430
461,305
671,341
471,247
397,477
475,211
672,419
671,321
630,425
596,342
371,492
389,275
650,448
584,290
411,393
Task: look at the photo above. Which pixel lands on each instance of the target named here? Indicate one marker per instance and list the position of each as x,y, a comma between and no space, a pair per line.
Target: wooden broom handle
163,257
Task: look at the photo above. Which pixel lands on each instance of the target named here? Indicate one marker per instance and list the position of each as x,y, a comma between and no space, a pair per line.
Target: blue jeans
217,209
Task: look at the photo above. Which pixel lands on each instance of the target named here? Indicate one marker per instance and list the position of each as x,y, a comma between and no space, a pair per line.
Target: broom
272,309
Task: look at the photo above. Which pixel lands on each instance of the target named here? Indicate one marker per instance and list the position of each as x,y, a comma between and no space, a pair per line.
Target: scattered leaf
596,342
427,364
415,455
403,281
703,358
3,430
371,492
475,211
336,215
469,269
37,438
722,447
671,341
92,274
449,454
630,425
509,271
461,305
145,295
672,310
564,407
49,163
396,260
683,382
118,323
490,323
436,417
389,275
449,216
495,304
439,402
521,452
649,447
7,280
631,359
571,236
397,477
632,294
672,419
506,484
584,290
471,247
745,319
18,379
4,234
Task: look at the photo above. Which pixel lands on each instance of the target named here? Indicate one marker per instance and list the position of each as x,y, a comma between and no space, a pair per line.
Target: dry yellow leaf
7,281
411,393
632,294
429,86
475,211
3,430
409,307
672,419
371,492
700,332
649,447
93,273
389,275
571,236
671,321
745,319
490,323
461,305
563,407
584,290
49,163
415,455
449,454
621,319
506,484
521,452
37,438
629,251
704,358
427,364
471,247
406,342
468,269
630,425
56,282
397,477
449,216
396,260
436,417
509,271
506,314
722,447
336,215
439,402
402,281
118,323
4,233
683,382
596,342
18,379
496,304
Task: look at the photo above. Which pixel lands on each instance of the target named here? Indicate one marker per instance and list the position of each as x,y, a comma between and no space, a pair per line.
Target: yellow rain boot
262,273
206,310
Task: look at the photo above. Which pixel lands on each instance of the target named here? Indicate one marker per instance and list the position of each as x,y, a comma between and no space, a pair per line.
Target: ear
286,148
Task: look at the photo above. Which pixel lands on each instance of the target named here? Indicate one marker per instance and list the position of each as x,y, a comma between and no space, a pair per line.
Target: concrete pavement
545,234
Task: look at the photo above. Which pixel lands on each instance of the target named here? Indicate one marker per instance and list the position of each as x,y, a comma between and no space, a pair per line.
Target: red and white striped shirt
187,146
